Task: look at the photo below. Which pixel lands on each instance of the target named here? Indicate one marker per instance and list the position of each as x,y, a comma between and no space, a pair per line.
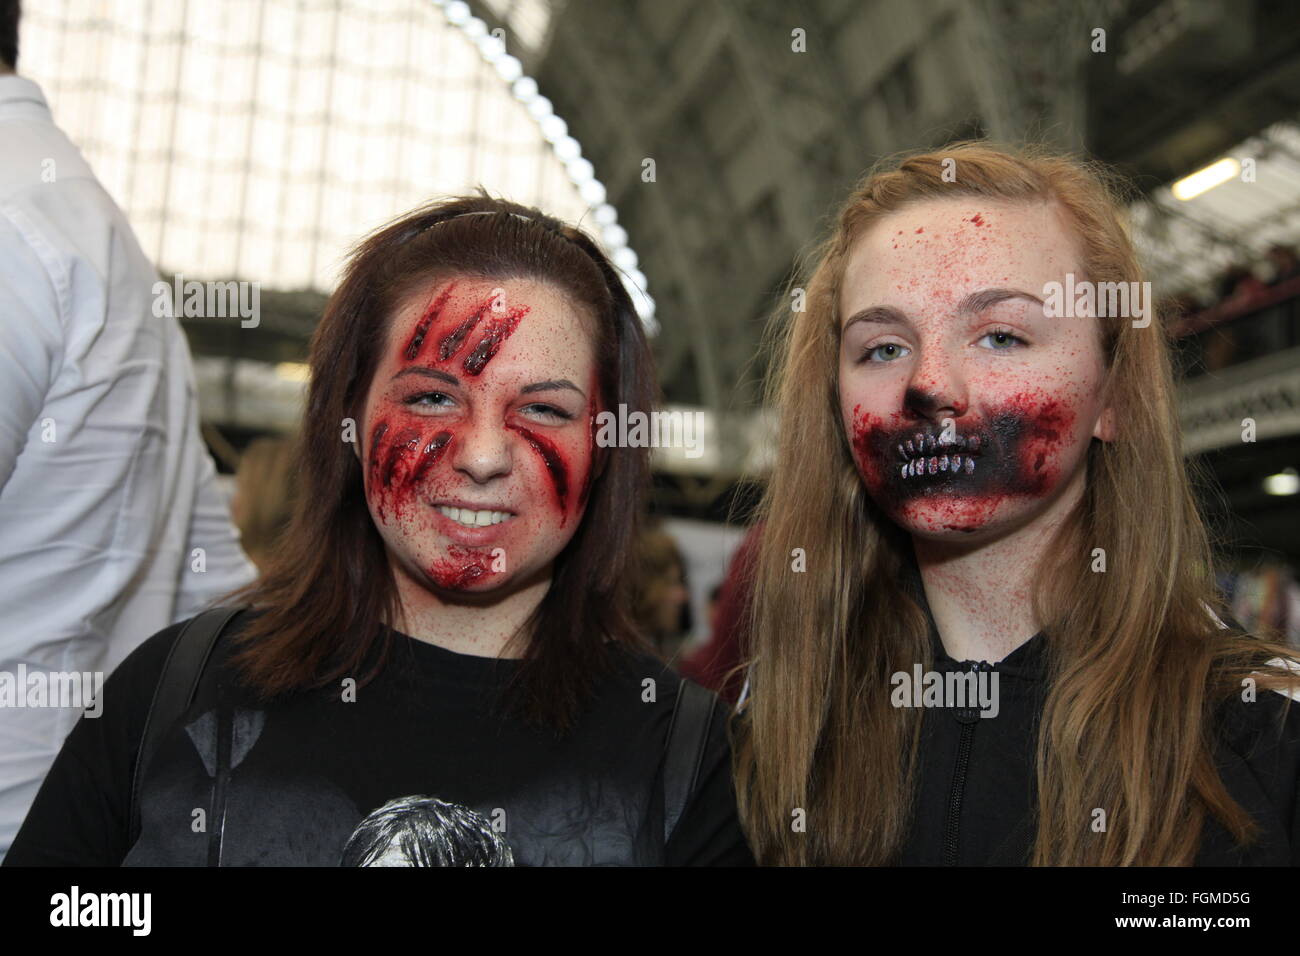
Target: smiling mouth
474,519
927,454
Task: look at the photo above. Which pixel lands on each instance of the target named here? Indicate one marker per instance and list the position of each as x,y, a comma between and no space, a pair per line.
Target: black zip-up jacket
976,788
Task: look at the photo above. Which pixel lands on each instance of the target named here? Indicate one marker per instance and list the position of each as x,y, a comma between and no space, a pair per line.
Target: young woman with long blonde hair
1004,645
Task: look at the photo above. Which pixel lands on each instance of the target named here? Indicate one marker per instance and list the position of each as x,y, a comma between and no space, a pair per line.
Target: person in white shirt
111,522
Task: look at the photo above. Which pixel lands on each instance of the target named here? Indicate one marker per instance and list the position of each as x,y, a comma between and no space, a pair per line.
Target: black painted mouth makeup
1012,450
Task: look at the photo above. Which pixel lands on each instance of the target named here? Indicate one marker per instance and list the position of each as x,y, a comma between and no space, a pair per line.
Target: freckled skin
481,440
1032,407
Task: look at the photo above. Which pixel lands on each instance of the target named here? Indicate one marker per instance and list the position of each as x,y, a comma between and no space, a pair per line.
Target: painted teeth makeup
947,464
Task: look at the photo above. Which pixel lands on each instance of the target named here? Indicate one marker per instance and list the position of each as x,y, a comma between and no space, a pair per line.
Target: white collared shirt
106,489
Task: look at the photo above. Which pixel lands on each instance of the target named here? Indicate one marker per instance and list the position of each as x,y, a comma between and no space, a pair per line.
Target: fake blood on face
416,341
555,466
453,339
459,569
414,448
461,335
398,466
398,470
1013,450
450,343
490,343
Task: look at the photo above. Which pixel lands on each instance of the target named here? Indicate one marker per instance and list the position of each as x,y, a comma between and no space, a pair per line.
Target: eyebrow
551,385
972,304
428,373
547,386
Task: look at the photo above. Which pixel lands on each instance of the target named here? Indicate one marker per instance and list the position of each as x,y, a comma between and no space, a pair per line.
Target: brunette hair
328,590
1137,665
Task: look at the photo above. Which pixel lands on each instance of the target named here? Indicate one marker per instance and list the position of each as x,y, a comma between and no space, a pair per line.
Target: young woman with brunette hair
1007,486
446,621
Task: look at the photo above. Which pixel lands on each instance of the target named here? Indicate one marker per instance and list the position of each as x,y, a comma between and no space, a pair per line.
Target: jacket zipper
969,717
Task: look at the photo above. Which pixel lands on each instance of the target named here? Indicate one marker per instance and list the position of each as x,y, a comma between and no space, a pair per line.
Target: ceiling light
1203,180
1285,482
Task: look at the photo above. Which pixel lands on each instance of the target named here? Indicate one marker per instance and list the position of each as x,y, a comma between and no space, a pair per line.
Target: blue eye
1003,340
889,352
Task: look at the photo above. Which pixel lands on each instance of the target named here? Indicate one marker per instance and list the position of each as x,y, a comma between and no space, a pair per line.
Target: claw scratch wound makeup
425,479
555,466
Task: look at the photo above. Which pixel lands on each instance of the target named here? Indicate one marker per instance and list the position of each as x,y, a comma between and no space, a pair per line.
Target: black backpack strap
175,692
687,735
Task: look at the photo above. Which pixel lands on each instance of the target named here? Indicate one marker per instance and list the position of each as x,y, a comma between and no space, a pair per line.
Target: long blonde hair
1136,664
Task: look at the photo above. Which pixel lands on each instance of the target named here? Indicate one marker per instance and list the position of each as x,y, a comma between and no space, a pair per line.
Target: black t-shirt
420,766
976,794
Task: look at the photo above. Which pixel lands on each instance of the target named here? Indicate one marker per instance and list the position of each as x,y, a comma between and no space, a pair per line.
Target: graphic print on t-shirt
425,831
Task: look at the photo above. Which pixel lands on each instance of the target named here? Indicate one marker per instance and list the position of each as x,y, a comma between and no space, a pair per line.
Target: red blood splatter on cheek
556,467
397,466
560,468
1041,429
868,449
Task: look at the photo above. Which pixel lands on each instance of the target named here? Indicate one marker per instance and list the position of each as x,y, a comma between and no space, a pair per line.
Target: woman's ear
1105,427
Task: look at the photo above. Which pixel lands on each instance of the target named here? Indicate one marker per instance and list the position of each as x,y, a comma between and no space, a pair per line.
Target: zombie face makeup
478,432
969,410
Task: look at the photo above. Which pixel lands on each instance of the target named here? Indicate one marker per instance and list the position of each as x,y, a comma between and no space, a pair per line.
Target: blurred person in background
113,525
263,500
662,605
1238,283
1283,263
718,664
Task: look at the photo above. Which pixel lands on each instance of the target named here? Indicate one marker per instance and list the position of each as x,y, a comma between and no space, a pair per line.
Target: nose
937,388
481,451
